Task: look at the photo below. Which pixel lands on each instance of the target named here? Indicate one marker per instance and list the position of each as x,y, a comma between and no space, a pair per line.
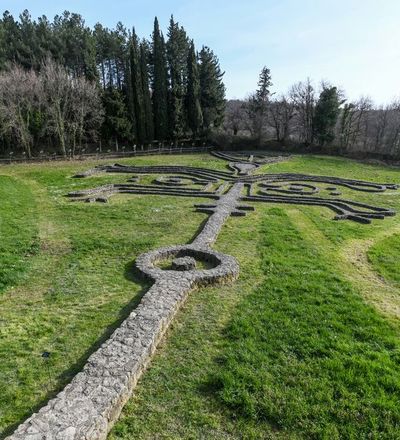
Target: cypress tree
137,89
144,73
177,53
193,107
159,84
212,89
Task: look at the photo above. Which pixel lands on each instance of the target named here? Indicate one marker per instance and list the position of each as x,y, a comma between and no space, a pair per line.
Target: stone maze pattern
88,407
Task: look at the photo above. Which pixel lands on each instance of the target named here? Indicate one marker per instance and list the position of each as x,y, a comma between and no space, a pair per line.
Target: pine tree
11,38
257,104
264,83
193,107
147,108
116,124
212,90
326,115
159,84
137,89
177,53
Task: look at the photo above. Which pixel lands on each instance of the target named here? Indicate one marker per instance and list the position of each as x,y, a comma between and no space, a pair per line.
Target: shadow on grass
131,274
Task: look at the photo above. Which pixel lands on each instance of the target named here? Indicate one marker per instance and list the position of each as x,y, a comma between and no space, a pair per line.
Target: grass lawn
304,345
384,256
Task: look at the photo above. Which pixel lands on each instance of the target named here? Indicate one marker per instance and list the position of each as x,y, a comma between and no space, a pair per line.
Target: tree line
64,85
320,118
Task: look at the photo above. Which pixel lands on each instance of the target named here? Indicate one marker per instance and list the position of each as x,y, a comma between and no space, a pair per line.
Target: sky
353,44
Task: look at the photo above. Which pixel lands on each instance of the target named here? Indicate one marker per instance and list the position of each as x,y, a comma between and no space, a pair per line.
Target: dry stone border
180,180
255,158
88,407
302,189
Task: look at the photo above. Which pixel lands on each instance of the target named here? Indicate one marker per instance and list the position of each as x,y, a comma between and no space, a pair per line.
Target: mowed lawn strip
384,257
18,230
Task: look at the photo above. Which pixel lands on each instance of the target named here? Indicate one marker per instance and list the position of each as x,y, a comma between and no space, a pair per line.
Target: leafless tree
281,112
73,107
393,135
87,112
353,123
303,97
381,122
235,116
19,99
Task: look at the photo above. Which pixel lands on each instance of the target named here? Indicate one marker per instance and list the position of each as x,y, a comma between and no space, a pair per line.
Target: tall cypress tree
193,107
212,89
177,53
159,84
137,89
144,73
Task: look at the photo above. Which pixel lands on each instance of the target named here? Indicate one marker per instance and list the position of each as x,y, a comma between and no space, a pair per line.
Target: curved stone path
87,408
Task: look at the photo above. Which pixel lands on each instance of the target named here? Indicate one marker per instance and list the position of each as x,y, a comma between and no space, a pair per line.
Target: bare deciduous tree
393,136
353,122
281,114
73,105
303,96
235,116
19,99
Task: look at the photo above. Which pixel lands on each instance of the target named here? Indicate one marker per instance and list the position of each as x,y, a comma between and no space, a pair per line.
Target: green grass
17,229
384,256
304,353
296,348
66,277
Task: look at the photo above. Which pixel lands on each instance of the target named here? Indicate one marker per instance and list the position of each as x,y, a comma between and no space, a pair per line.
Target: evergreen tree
46,44
120,53
116,125
177,53
326,115
137,89
11,39
264,83
159,84
27,47
193,107
101,36
257,104
212,90
147,108
76,45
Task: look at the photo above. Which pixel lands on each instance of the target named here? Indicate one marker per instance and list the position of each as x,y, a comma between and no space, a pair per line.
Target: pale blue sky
354,44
